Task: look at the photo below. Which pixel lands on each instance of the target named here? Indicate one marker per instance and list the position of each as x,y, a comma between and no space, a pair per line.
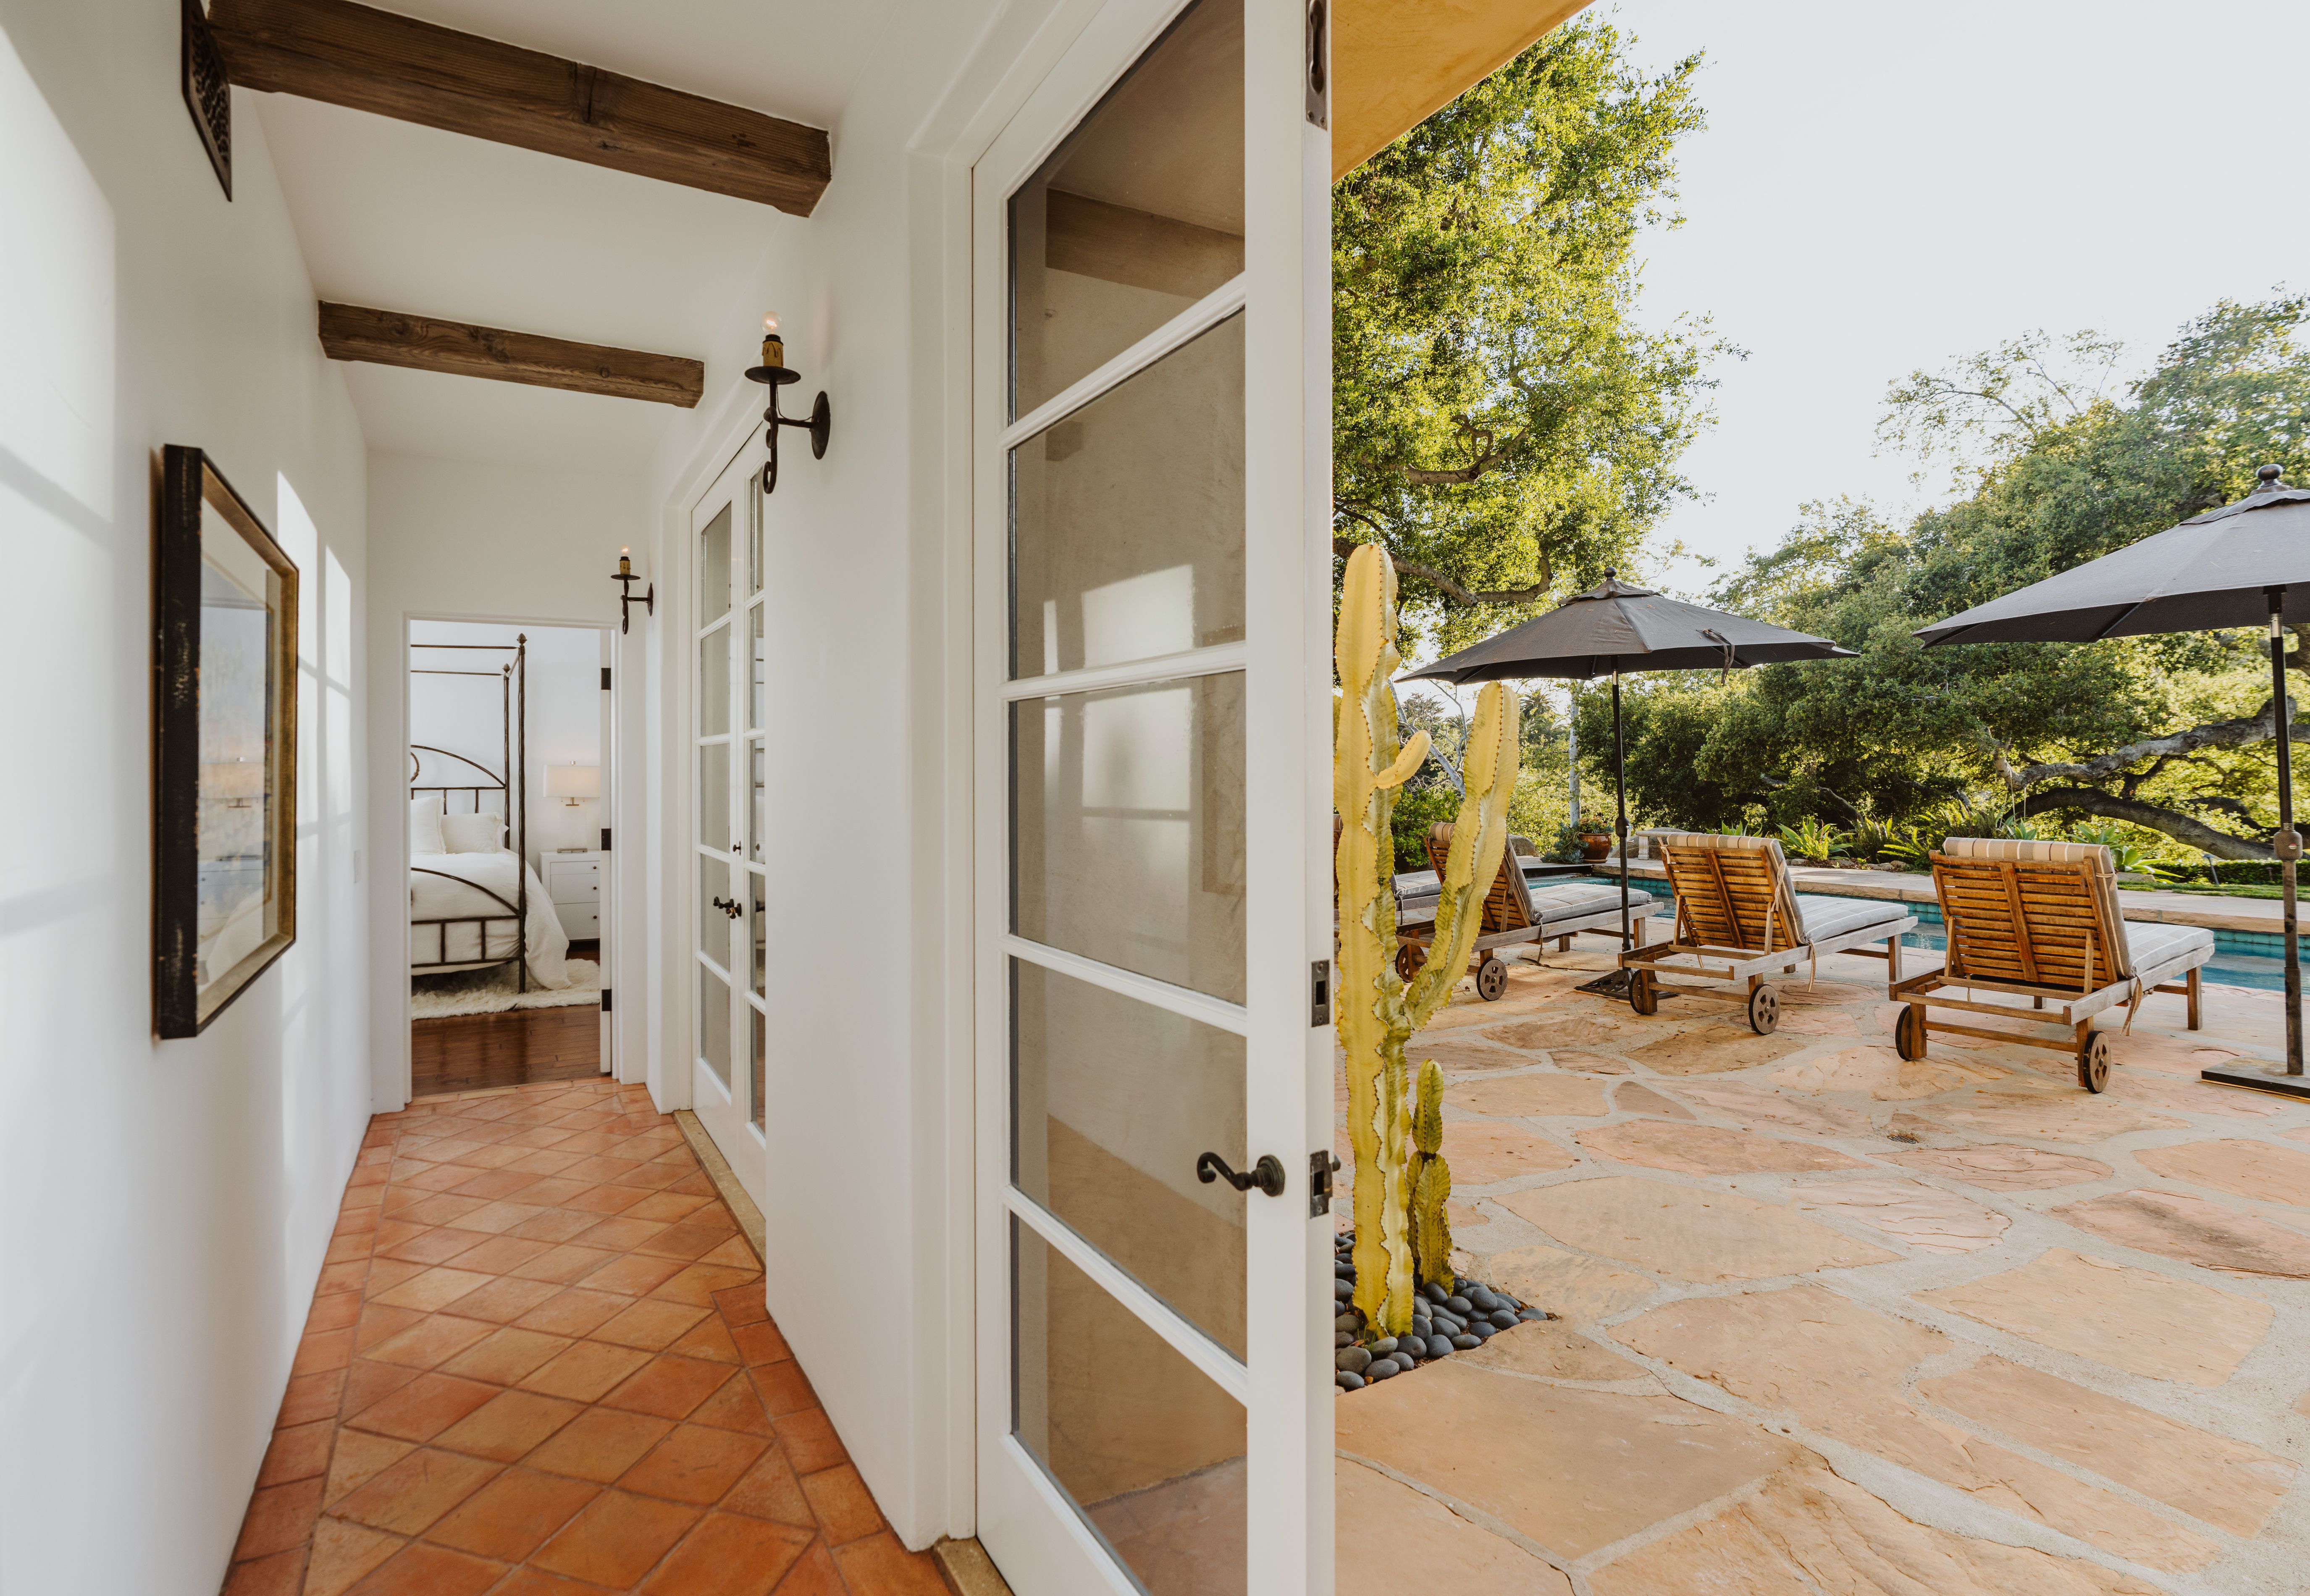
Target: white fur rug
492,992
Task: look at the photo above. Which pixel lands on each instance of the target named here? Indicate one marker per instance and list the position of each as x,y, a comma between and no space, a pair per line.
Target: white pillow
473,834
425,825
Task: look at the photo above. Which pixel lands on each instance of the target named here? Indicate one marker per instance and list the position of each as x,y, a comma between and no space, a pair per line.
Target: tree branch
1467,598
2173,822
2242,732
1484,452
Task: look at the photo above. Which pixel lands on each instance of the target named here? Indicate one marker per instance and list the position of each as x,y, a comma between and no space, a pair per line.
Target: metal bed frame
513,696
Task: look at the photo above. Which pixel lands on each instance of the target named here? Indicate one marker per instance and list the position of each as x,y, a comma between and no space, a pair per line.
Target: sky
1883,187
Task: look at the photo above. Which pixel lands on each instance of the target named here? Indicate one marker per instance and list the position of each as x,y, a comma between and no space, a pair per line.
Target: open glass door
728,1030
1153,555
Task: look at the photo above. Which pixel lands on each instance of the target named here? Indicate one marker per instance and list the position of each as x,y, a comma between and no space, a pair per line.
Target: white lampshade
573,781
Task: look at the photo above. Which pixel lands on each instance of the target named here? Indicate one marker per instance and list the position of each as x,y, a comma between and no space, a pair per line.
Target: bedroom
506,832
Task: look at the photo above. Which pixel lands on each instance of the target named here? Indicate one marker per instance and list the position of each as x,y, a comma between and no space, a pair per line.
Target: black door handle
1267,1174
727,907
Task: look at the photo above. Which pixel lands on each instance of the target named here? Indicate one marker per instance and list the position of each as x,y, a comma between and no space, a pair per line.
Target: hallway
538,1364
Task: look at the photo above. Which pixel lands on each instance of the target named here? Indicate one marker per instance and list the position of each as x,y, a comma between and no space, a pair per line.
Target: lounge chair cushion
2023,848
2153,943
1826,917
1415,892
1574,900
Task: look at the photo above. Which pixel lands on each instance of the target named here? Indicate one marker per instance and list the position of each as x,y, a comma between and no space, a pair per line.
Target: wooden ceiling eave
1394,63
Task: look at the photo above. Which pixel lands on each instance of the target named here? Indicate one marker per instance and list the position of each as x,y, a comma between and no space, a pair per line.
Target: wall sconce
572,782
773,373
624,575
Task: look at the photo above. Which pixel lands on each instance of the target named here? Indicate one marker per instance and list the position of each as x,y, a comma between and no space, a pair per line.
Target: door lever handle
1267,1174
728,906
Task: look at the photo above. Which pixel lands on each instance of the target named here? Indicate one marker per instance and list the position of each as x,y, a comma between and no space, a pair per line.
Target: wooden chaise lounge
1516,913
1740,919
2040,920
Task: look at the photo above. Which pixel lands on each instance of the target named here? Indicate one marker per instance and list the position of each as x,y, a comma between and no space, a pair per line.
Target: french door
727,703
1151,406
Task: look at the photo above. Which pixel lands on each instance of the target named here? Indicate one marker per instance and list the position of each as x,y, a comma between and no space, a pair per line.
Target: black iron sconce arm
625,578
819,426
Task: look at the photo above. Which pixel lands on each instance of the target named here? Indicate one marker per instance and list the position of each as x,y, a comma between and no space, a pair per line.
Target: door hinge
1319,994
605,1000
605,678
1319,63
605,839
1320,1169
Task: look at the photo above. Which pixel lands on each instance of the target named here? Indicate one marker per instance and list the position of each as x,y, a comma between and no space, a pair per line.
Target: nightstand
573,883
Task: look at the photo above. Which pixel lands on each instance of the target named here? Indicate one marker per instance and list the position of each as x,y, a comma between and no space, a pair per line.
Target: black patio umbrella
2245,564
1614,627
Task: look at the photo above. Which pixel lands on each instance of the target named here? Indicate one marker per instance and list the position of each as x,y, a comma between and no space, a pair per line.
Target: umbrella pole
2288,843
1614,982
1621,808
2288,840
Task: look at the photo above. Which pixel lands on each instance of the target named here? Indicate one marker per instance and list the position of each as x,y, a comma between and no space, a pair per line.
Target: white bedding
431,898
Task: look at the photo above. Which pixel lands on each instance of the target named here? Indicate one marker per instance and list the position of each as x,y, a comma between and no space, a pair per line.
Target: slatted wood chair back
1732,892
2031,913
1507,907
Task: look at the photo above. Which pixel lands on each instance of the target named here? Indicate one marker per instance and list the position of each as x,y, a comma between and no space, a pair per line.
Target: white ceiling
404,217
792,58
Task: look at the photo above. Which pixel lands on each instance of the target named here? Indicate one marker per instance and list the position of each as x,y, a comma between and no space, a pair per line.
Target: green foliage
2053,472
1813,839
1568,848
1668,722
1428,798
1498,414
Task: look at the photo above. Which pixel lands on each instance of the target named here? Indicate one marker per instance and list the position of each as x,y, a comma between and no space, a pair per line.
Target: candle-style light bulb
625,565
774,347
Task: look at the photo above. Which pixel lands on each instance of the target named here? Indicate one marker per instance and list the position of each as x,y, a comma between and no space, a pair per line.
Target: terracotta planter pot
1595,844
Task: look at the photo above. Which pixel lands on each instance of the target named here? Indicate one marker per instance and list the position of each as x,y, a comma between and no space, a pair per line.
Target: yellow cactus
1378,1012
1431,1180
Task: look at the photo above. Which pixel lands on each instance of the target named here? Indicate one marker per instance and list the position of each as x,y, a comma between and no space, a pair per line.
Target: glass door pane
1139,212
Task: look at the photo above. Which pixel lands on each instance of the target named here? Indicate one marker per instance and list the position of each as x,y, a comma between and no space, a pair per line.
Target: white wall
465,715
164,1207
455,540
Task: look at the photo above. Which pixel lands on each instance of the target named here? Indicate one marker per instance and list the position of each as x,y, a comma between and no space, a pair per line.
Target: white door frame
1286,1382
615,791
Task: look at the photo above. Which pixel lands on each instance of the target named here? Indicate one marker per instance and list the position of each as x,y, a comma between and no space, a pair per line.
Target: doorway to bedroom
509,919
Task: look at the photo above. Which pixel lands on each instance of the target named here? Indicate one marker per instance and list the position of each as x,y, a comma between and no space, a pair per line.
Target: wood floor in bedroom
471,1053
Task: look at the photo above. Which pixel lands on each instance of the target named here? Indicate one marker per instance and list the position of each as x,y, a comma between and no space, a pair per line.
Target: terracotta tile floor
538,1364
1830,1322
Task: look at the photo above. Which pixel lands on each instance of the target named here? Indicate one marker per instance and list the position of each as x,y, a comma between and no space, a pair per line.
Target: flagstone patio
1833,1323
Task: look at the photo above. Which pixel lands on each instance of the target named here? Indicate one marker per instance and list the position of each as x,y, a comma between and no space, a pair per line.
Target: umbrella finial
2268,477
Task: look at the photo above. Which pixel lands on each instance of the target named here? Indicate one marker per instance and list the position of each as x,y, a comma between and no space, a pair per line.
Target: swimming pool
2255,958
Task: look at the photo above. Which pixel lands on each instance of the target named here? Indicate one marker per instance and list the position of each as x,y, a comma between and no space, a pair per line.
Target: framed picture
224,858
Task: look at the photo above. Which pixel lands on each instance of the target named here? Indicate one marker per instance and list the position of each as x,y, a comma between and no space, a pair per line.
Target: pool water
2241,958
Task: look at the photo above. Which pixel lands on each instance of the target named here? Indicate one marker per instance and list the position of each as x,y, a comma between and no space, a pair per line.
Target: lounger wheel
1765,1008
1491,979
1909,1033
1408,958
1644,997
2093,1062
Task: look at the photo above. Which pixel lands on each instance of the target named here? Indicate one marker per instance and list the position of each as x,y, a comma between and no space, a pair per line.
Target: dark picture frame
224,854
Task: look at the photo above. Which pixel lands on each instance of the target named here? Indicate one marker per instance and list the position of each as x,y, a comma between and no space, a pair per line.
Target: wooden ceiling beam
426,343
397,67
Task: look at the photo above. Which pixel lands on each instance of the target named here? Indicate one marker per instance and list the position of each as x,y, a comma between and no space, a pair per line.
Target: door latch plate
1320,1169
